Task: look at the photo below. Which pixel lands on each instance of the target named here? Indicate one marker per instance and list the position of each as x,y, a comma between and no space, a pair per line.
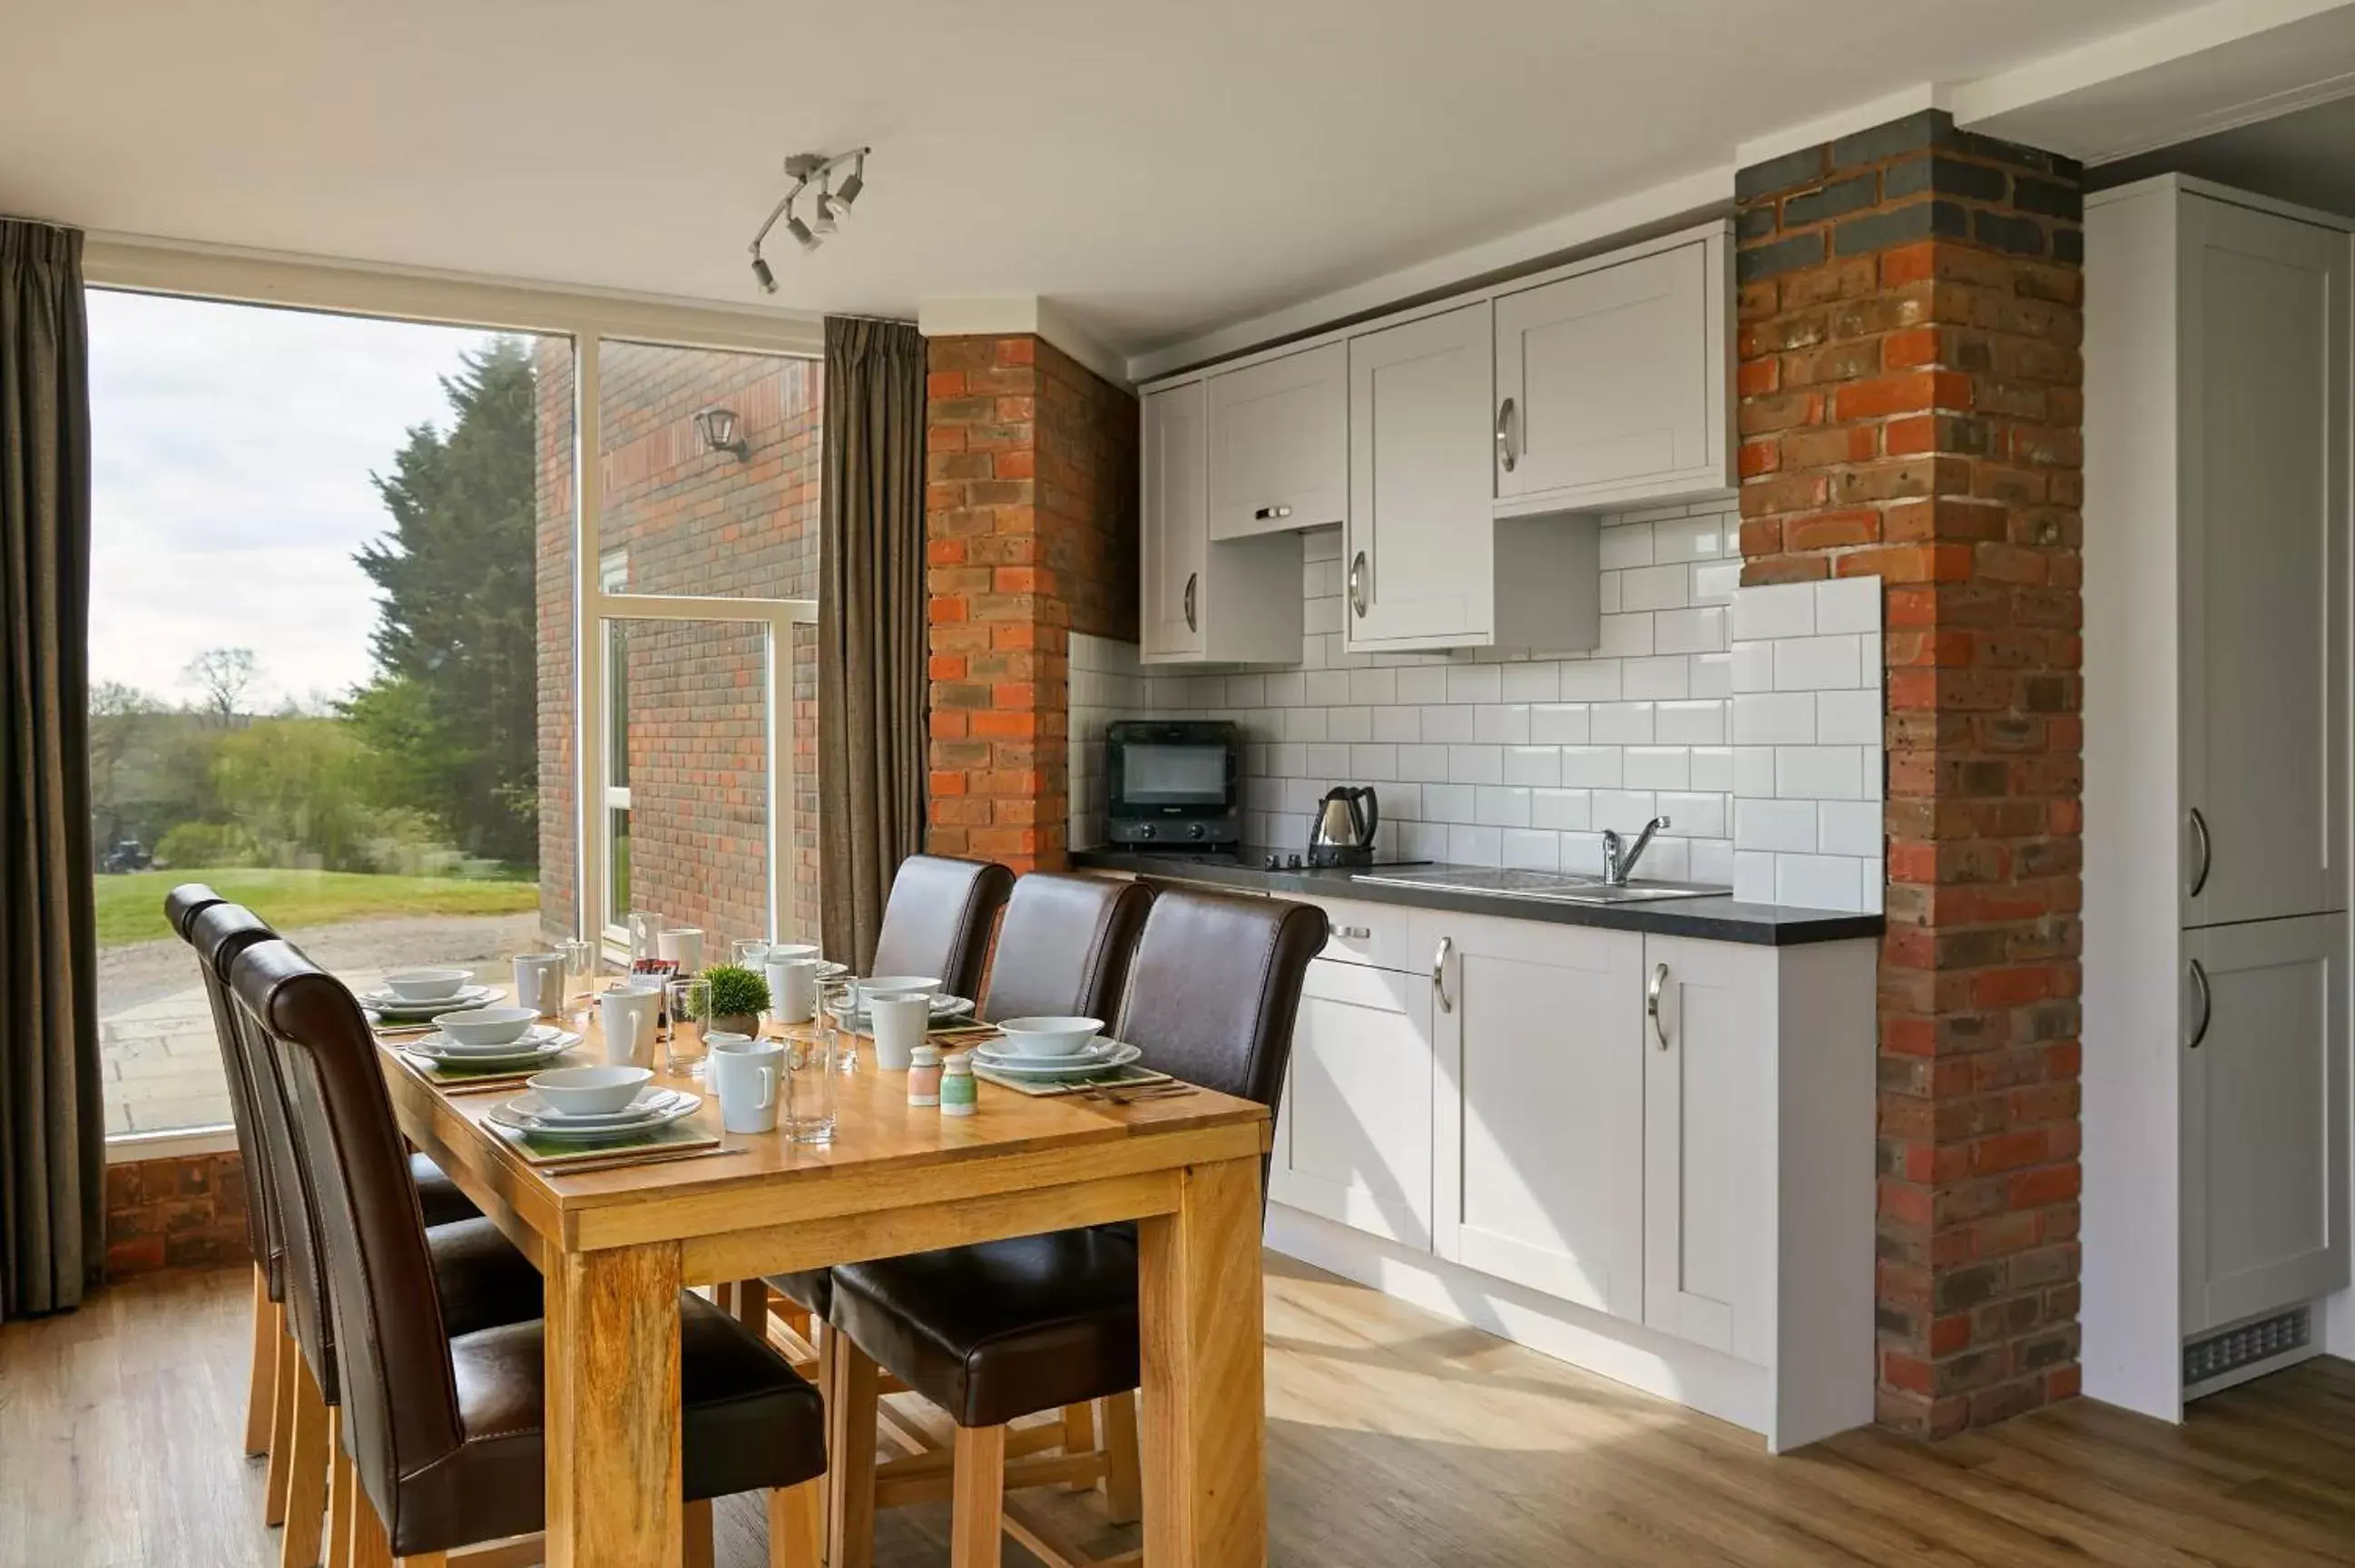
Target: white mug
540,983
900,1023
629,1020
792,989
744,1073
683,944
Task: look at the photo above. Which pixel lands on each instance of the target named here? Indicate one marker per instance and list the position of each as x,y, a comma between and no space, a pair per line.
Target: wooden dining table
616,1245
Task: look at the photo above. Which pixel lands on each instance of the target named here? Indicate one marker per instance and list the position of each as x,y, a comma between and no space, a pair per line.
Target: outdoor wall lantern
718,429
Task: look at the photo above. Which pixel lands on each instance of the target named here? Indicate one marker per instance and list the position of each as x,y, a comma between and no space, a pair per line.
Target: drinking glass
580,975
808,1086
689,1011
748,952
646,933
836,1004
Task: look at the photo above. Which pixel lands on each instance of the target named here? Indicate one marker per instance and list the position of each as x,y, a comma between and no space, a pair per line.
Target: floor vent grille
2218,1354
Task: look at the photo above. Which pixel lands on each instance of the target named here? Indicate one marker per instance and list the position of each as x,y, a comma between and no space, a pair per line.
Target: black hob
1261,857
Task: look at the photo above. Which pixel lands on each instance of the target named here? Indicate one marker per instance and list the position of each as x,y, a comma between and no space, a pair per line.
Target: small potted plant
739,997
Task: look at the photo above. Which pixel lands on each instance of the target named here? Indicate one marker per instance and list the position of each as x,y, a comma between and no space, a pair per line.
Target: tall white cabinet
2216,708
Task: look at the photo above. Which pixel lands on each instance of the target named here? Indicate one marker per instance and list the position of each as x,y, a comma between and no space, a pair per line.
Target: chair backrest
1064,947
1215,988
181,906
400,1396
221,934
939,918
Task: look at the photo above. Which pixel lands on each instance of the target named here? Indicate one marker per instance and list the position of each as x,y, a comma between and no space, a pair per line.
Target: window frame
589,319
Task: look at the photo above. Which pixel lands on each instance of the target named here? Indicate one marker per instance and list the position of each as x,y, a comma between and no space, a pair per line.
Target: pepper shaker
960,1096
924,1075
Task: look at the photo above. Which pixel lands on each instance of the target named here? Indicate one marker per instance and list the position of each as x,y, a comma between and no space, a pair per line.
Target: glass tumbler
838,1011
579,977
748,952
689,1011
809,1086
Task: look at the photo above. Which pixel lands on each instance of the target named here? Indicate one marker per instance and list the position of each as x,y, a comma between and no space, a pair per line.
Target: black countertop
1713,918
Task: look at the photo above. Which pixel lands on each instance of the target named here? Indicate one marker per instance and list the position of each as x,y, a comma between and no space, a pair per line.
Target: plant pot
736,1023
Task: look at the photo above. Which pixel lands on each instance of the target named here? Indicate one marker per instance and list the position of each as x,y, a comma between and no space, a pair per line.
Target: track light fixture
831,205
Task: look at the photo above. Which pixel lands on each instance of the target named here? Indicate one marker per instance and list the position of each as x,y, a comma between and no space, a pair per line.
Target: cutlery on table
655,1156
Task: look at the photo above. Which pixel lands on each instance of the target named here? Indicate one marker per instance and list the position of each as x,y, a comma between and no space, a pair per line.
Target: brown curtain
52,1126
870,627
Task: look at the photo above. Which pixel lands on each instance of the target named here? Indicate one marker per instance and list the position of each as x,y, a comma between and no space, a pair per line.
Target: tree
120,721
452,713
222,677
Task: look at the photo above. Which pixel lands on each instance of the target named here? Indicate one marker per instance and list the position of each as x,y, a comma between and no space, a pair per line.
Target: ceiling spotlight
809,238
838,201
767,279
832,205
718,429
823,221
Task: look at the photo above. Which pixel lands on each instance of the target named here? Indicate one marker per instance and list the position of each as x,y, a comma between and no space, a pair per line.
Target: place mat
1128,1077
444,1075
670,1139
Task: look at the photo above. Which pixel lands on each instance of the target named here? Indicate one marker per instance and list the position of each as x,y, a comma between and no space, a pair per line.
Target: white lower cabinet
1353,1137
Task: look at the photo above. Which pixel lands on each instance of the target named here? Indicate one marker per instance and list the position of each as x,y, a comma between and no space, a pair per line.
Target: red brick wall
1911,409
1030,529
696,523
170,1214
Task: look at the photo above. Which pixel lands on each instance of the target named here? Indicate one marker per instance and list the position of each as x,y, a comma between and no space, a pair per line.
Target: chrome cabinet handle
2207,852
1358,585
1439,974
1353,933
1264,513
1652,1004
1505,452
1192,578
2207,1004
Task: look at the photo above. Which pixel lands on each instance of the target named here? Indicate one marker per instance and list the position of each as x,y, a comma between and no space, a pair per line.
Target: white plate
433,1048
943,1008
467,997
518,1115
1090,1061
648,1105
532,1039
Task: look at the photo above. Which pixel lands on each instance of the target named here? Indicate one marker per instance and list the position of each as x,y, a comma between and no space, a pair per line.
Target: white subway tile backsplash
1447,722
1818,664
1700,630
1753,877
1501,723
1304,723
1774,610
1783,826
1849,826
1537,681
1475,845
1712,768
1373,763
1502,806
1475,684
1656,678
1423,683
1475,764
1656,767
1753,772
1712,674
1820,773
1562,808
1849,604
1627,636
1349,723
1560,724
1397,724
1330,761
1713,581
1532,766
1689,538
1590,681
1328,688
1531,852
1626,546
1696,815
1712,861
1690,723
1373,688
1425,763
1450,802
1623,724
1626,811
1819,881
1848,718
1656,588
1591,767
1774,718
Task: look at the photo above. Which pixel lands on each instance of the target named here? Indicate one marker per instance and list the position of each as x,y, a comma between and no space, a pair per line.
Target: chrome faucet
1618,862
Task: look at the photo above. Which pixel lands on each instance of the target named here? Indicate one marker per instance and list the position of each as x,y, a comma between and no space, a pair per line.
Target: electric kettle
1341,831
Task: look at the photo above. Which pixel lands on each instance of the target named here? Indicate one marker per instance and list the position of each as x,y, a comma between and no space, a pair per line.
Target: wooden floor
1396,1440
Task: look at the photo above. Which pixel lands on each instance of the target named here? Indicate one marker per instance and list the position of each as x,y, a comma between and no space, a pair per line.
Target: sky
231,447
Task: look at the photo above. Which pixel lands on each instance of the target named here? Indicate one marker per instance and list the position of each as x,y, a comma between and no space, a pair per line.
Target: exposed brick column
1030,531
1911,409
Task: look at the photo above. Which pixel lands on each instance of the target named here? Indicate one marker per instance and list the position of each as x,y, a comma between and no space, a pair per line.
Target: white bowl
486,1026
786,952
1049,1036
589,1091
426,985
897,984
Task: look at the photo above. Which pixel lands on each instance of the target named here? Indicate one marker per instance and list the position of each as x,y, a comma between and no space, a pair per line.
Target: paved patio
161,1064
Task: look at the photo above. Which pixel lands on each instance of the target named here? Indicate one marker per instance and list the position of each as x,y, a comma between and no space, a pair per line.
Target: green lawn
131,908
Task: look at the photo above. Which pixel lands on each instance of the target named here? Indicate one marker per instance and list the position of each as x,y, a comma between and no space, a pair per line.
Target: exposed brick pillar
1030,531
1911,409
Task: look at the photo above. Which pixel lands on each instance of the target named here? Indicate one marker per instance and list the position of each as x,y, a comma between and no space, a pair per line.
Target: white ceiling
1157,169
2307,158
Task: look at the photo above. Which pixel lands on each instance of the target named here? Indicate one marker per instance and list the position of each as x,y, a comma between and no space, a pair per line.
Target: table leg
613,1409
1204,1414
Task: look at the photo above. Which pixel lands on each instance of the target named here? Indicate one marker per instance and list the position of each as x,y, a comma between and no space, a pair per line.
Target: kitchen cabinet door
1611,385
1708,1041
2264,1118
1540,1105
1175,557
1353,1137
1418,559
2265,482
1280,444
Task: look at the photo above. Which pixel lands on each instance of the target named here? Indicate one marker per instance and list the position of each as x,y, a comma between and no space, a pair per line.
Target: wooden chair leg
306,1475
282,1428
370,1547
695,1526
850,1399
423,1559
262,1391
1124,1474
1080,1436
977,1504
797,1526
752,1305
339,1546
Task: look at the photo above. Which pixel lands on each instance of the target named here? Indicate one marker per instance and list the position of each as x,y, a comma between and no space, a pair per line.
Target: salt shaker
924,1075
959,1094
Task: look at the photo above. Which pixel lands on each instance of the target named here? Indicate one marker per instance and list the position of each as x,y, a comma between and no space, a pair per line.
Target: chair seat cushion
811,1290
437,1194
482,1280
1000,1330
750,1422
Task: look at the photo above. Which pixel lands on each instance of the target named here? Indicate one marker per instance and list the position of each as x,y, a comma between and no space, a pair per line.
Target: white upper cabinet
1176,521
1611,384
2264,392
1280,444
1417,558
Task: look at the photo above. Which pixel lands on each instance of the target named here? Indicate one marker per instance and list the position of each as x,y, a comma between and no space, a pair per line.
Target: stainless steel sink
1554,887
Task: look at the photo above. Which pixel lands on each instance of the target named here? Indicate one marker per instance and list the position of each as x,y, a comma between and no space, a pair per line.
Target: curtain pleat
52,1120
871,667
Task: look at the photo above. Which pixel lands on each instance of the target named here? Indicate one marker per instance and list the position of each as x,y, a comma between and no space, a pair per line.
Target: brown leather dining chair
443,1420
1005,1329
1064,947
480,1278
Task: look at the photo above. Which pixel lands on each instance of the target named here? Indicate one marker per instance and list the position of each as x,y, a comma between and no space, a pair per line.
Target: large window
338,672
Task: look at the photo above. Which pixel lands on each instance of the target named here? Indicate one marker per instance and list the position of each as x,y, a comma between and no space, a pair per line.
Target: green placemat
442,1073
683,1134
1127,1077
